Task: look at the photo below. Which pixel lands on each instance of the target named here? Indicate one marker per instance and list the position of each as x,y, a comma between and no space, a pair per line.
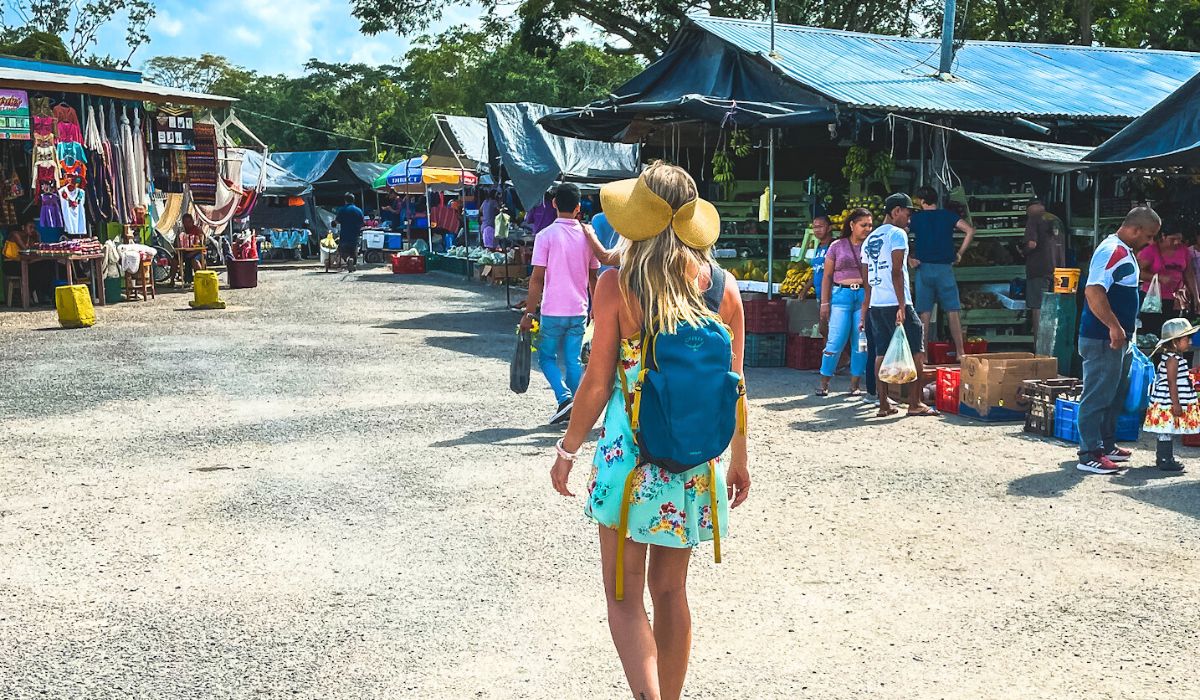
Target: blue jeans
1105,383
845,316
934,283
561,334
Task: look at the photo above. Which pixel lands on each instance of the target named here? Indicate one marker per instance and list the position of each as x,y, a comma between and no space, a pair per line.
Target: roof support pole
770,214
772,27
947,39
1096,210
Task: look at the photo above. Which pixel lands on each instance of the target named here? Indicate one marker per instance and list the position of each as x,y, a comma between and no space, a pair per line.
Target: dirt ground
327,491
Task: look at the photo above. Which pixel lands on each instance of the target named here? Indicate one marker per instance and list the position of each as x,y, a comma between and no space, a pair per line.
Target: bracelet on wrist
562,451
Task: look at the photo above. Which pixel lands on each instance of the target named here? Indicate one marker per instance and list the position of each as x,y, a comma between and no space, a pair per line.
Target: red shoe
1118,454
1097,463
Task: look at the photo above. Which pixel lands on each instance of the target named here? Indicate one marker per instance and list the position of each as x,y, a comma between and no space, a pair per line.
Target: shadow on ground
541,436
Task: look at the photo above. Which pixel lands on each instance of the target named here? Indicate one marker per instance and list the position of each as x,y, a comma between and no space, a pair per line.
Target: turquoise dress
665,509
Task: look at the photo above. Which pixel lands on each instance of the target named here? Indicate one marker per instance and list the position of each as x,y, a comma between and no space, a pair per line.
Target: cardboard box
803,314
991,383
500,272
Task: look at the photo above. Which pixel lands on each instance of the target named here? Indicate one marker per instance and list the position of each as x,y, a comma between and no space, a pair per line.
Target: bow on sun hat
1174,329
638,214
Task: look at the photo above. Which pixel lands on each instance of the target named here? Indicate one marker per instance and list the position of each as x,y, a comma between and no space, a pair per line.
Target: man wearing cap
888,302
564,276
1105,329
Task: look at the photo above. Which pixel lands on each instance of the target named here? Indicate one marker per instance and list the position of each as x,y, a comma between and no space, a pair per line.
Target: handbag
11,250
522,359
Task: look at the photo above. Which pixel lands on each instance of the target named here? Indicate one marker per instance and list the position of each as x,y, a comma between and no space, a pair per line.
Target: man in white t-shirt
888,301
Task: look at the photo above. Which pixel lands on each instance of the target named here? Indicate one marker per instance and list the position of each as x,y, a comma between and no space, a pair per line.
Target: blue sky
269,36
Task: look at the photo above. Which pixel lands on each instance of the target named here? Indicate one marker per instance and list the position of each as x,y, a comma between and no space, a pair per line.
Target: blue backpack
685,405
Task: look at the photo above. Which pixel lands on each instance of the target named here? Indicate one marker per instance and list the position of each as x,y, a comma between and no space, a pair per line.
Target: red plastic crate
948,379
408,264
942,354
979,347
1190,440
766,316
804,352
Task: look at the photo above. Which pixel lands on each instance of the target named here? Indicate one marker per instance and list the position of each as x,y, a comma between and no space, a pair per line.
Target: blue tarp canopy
700,78
535,159
279,181
1169,134
309,166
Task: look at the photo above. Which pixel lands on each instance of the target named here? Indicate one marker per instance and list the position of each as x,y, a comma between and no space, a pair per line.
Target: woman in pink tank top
842,302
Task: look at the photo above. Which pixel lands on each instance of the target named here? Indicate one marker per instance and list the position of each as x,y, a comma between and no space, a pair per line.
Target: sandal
855,393
881,413
929,411
821,392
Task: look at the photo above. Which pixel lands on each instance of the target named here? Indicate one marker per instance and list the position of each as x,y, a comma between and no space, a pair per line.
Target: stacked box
765,349
766,316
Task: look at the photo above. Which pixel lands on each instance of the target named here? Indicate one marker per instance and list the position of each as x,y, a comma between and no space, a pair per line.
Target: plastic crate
1042,395
766,316
941,354
979,347
804,352
408,264
946,398
1190,440
393,241
766,349
1066,423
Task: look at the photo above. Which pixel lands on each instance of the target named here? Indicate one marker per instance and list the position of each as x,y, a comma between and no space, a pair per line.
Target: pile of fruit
755,270
797,279
871,202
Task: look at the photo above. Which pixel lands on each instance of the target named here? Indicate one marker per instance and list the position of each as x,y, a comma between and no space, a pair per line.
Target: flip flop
929,411
884,414
855,393
821,392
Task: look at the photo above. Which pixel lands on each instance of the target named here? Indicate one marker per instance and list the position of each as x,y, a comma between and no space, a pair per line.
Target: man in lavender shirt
564,276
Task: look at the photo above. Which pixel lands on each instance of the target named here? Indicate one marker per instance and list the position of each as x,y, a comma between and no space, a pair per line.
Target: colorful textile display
202,165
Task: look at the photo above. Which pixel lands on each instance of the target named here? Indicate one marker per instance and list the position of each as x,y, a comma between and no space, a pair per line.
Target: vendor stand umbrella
412,176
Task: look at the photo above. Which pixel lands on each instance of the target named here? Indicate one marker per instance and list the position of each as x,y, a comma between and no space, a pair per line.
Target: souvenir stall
77,166
435,185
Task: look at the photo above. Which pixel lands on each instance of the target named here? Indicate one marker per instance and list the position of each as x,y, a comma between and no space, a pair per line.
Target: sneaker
1097,464
563,413
1118,454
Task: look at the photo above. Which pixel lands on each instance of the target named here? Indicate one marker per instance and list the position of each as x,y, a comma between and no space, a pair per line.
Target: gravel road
327,491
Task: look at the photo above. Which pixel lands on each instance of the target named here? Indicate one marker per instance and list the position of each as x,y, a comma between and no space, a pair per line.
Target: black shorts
348,249
883,325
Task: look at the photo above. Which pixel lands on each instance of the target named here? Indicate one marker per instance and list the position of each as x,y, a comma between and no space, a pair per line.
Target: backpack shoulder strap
716,289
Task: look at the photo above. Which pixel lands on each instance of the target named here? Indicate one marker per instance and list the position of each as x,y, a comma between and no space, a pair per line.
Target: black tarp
1169,134
699,78
534,159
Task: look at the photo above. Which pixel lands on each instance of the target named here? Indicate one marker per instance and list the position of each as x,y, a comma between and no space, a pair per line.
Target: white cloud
163,23
371,52
244,34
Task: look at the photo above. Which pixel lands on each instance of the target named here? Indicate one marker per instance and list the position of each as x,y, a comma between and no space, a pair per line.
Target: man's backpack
685,405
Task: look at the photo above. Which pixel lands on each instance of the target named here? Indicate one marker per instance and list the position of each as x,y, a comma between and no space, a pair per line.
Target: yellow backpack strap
712,504
622,532
635,406
741,407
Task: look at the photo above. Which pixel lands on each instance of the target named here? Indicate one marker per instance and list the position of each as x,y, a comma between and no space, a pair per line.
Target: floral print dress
1159,418
665,509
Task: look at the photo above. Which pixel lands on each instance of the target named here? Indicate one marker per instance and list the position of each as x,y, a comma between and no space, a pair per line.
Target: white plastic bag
898,366
1152,304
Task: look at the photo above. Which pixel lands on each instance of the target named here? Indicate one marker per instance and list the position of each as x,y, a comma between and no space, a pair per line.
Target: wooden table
96,259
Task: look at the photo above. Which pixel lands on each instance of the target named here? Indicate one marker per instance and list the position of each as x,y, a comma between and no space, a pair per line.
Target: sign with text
14,115
174,130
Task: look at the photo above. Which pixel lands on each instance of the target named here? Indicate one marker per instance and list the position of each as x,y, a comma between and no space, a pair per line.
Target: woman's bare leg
627,619
672,618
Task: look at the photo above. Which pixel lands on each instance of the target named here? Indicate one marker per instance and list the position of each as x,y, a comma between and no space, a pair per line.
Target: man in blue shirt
604,242
1105,329
350,221
933,259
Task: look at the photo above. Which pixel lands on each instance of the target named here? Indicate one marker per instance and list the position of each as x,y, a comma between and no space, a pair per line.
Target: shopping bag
1141,380
898,366
1152,304
518,370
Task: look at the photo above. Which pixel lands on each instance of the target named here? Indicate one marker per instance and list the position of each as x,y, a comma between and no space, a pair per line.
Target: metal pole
947,59
1096,211
771,213
772,26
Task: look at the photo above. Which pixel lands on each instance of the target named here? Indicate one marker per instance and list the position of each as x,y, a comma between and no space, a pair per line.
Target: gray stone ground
327,491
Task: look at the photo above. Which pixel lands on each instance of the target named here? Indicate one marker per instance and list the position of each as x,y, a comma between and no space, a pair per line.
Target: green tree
79,23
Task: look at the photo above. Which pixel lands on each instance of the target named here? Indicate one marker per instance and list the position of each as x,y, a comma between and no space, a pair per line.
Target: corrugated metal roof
1028,80
91,85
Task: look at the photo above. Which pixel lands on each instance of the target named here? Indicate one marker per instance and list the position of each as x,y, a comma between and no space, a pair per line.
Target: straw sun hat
1176,328
638,214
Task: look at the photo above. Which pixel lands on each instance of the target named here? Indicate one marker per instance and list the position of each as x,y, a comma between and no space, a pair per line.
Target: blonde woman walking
651,515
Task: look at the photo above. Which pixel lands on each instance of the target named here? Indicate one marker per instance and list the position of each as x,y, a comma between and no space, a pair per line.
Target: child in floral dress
1174,408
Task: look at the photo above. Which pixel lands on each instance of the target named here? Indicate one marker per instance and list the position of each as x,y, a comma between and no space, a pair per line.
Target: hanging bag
522,359
1152,304
1141,381
898,366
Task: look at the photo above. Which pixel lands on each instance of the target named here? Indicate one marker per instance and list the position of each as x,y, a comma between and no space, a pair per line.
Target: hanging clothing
51,214
74,213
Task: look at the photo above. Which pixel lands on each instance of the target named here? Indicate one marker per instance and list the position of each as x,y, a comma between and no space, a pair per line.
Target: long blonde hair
657,270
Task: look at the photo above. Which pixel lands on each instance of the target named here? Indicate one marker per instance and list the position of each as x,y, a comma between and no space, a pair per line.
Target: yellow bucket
74,305
1066,280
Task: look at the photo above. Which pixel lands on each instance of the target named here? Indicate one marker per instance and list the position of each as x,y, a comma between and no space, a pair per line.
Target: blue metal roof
995,78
